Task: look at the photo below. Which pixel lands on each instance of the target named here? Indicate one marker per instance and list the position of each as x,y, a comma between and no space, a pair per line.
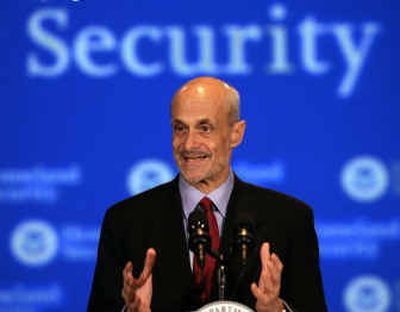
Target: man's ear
237,133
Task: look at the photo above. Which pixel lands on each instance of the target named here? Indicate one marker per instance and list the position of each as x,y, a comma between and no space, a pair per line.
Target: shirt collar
191,195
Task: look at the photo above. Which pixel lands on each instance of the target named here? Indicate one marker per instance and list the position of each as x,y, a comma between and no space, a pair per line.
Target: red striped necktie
204,278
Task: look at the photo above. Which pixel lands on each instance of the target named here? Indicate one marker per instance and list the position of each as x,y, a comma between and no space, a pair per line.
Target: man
282,270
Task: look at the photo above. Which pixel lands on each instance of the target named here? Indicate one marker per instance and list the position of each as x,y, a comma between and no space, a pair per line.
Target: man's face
203,137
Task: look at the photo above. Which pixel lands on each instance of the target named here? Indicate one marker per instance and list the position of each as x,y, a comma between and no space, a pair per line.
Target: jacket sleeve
107,281
301,280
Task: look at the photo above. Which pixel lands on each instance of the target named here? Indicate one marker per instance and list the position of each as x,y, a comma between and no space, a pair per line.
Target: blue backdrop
84,122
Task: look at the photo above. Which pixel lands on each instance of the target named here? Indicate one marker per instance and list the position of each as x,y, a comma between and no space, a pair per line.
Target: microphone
199,238
244,239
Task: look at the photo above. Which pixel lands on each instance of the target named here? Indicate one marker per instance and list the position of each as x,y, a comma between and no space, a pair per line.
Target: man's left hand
269,283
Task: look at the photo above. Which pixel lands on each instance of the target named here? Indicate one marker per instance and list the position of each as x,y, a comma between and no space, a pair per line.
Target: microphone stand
244,241
221,277
221,273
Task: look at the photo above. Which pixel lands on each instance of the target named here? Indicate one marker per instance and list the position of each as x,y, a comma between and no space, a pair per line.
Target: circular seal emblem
367,294
365,178
147,174
224,305
34,243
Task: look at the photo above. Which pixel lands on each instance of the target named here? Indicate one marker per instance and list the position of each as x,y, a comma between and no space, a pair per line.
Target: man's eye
205,128
179,128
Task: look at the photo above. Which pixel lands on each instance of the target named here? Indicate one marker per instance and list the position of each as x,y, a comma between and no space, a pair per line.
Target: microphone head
199,237
243,226
197,220
244,238
244,234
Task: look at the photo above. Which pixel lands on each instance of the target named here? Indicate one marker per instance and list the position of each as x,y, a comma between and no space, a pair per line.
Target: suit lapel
237,208
177,204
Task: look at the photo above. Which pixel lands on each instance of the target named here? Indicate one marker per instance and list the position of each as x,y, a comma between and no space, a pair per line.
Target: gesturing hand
137,292
269,283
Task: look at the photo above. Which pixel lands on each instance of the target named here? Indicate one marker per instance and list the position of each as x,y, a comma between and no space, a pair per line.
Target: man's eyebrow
199,122
176,120
204,121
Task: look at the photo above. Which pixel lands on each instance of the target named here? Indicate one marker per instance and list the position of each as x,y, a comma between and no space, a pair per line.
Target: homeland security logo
147,174
34,243
367,294
365,179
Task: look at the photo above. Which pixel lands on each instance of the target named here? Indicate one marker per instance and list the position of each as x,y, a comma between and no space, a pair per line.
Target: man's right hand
137,292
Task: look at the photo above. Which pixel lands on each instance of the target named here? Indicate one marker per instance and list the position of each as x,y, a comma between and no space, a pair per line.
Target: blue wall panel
84,122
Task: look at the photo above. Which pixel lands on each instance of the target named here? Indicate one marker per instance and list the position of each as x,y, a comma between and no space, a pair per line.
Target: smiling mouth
195,158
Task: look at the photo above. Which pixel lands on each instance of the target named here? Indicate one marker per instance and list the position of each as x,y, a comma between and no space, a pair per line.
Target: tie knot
206,204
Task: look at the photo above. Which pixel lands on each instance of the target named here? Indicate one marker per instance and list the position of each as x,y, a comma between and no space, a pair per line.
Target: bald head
206,128
213,89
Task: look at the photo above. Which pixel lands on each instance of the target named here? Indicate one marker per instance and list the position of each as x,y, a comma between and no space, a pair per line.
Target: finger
265,259
274,284
264,255
128,293
256,291
273,275
276,262
261,297
128,290
263,300
127,271
276,269
149,262
148,266
266,285
264,278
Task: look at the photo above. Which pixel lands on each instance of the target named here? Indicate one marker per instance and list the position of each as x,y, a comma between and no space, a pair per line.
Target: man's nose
190,140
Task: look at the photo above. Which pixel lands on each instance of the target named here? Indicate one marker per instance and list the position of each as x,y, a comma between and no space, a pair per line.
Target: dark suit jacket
155,219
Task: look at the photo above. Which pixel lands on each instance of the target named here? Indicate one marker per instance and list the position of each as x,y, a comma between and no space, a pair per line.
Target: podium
224,306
